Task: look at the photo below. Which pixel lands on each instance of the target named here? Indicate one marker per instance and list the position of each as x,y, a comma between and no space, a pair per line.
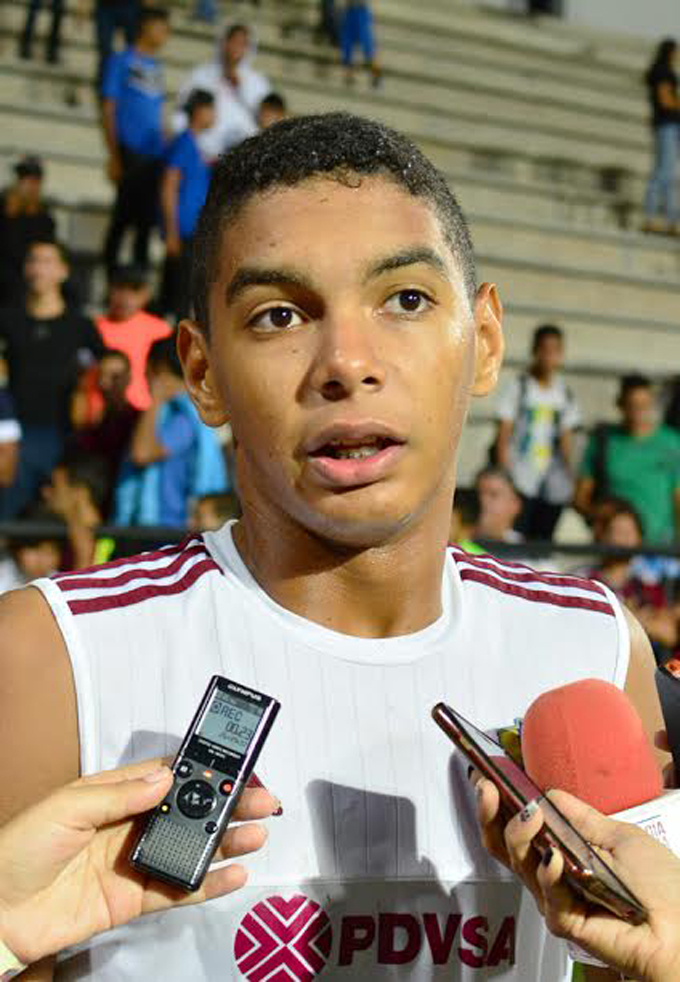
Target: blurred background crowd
97,433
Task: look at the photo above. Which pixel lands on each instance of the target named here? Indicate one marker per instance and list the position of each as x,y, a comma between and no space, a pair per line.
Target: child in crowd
128,327
184,186
464,519
357,30
31,557
77,494
272,110
173,456
211,511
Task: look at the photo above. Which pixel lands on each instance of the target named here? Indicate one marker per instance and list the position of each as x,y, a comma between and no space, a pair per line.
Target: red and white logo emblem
282,940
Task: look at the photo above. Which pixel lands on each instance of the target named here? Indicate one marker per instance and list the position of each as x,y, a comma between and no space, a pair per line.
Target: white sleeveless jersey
375,869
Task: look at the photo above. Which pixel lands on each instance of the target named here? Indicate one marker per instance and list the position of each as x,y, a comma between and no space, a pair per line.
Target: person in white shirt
340,328
238,89
537,415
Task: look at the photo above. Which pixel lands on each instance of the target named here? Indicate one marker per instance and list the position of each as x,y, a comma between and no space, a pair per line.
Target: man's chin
357,528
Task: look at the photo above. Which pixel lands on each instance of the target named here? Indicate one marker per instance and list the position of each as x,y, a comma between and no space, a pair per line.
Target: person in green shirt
638,460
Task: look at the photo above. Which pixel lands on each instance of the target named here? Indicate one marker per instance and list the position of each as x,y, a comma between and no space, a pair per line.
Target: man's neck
544,379
45,305
145,49
377,592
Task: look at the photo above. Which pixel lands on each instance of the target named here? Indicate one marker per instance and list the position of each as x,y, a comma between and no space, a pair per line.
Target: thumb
91,806
595,827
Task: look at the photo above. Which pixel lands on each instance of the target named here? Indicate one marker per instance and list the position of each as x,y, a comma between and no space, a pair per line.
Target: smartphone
585,872
668,687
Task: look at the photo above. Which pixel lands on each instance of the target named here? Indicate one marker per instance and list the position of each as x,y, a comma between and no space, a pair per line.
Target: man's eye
408,302
276,319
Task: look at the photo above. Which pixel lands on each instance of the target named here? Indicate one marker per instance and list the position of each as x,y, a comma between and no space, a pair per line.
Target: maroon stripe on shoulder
139,558
536,596
524,574
130,597
138,573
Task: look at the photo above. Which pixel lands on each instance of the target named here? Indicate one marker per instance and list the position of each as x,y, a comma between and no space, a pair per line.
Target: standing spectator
238,89
54,36
537,416
109,437
637,460
133,93
662,84
184,187
358,31
24,218
499,506
328,23
45,345
111,16
272,110
174,457
128,327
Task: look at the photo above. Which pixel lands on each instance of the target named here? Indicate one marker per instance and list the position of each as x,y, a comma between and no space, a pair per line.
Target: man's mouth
354,450
347,456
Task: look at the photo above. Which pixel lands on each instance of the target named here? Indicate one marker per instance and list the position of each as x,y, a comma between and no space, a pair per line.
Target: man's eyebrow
408,257
248,276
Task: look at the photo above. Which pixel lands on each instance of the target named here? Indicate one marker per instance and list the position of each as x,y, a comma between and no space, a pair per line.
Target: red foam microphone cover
587,738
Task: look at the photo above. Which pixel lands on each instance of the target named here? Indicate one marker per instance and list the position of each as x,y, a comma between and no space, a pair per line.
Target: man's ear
488,315
192,348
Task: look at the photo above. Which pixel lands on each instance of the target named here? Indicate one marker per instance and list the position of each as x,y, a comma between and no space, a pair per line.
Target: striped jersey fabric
375,870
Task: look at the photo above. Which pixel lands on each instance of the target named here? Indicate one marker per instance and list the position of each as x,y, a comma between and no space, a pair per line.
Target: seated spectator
128,327
31,557
238,90
637,460
109,437
211,511
272,110
499,506
184,187
537,415
133,94
10,437
45,344
357,30
24,219
645,596
464,520
173,456
54,36
76,494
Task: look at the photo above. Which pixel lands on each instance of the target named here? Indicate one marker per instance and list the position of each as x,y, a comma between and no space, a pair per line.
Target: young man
128,327
24,219
238,89
638,460
173,457
537,416
133,93
184,187
45,344
340,329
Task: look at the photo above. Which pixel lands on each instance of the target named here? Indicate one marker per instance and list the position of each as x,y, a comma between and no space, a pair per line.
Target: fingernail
479,789
279,809
470,770
528,811
546,858
155,776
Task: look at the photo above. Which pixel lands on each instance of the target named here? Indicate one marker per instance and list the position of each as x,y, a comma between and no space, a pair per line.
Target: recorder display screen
230,721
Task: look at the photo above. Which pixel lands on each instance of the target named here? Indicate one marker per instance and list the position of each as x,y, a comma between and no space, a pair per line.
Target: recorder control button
196,799
226,787
211,827
185,769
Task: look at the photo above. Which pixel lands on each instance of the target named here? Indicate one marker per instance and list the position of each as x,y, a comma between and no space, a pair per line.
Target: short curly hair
340,145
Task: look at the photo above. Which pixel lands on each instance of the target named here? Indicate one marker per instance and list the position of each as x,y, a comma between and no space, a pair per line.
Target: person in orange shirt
127,326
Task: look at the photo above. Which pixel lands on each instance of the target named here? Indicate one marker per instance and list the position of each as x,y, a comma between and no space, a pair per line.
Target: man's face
637,409
549,354
268,115
499,505
235,48
29,187
343,348
44,268
113,377
204,118
126,301
156,32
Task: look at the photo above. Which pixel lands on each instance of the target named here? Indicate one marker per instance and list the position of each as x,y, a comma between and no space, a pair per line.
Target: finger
255,803
127,773
661,740
92,806
218,883
592,825
241,840
490,820
519,834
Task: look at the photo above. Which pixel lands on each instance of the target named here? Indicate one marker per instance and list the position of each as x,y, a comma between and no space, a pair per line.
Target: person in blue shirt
173,456
133,93
184,187
357,30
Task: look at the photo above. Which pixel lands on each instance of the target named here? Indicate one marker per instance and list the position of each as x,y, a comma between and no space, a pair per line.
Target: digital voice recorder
211,770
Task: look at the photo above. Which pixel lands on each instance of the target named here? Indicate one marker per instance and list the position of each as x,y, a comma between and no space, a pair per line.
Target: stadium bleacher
541,130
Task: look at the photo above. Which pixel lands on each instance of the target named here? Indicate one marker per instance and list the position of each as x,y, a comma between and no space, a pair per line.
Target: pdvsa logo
281,940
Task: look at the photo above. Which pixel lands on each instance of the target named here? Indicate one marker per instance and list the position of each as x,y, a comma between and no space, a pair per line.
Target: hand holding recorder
64,874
